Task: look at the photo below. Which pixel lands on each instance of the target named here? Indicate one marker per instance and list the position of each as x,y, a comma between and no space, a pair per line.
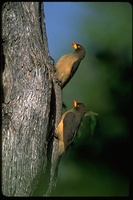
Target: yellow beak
74,45
75,103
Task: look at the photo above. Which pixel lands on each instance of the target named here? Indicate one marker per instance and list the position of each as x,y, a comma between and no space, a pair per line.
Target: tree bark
27,111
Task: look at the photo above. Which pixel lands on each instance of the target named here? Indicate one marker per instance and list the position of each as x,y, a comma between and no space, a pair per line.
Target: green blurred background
98,164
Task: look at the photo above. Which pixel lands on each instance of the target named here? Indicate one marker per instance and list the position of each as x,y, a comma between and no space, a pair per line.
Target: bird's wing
72,70
69,128
75,67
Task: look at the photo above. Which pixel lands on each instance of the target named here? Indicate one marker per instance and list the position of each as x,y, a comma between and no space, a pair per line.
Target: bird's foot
58,82
52,60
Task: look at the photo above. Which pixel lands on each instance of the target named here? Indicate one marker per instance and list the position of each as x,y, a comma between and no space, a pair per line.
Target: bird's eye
78,46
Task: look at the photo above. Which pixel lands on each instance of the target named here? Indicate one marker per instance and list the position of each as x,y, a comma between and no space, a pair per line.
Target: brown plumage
69,125
68,64
65,133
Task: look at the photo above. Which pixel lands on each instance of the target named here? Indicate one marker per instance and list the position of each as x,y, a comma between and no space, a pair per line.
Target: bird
69,125
68,64
65,133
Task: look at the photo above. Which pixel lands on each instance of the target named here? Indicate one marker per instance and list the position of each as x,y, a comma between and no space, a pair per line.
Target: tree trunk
27,111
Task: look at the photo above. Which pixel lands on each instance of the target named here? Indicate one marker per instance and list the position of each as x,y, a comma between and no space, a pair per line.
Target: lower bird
69,125
65,134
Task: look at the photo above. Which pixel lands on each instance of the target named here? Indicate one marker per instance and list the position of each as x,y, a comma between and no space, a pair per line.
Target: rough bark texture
28,115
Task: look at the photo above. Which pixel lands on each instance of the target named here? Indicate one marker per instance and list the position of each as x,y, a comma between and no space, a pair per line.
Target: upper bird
69,125
68,64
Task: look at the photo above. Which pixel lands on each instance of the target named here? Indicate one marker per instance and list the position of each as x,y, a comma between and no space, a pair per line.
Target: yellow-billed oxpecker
65,134
69,125
68,64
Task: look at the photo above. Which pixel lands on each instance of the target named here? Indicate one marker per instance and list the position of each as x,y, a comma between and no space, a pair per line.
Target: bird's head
79,106
79,49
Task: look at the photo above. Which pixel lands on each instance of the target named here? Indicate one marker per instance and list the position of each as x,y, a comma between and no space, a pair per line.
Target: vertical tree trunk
27,91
